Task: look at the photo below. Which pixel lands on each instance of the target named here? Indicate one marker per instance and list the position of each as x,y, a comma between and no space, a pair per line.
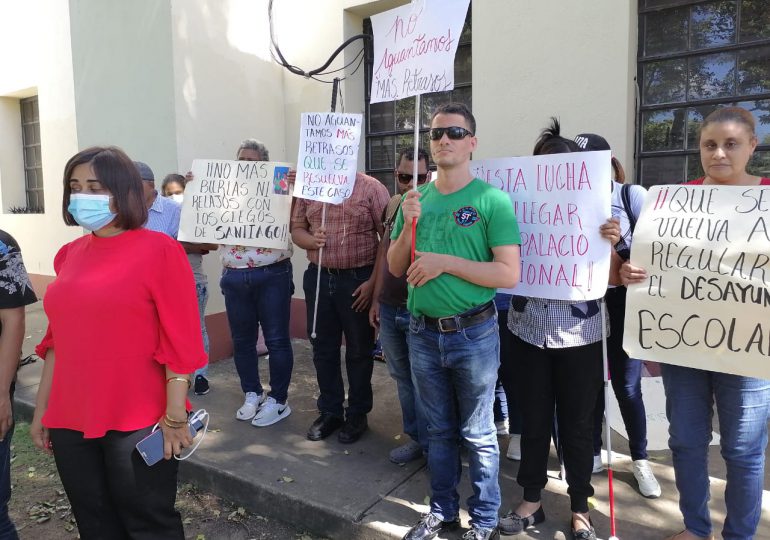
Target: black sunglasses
407,178
453,132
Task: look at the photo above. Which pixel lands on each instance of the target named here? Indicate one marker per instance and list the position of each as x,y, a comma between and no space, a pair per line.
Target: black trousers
113,493
336,318
568,380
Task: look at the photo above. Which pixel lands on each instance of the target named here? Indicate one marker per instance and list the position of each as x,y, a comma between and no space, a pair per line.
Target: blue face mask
92,212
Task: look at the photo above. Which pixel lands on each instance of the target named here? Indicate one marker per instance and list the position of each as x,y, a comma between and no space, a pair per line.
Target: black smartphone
151,447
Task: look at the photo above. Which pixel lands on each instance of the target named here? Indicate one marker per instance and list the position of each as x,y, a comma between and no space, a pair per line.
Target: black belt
340,271
455,323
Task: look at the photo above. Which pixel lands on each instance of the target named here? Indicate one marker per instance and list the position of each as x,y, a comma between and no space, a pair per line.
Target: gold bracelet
178,423
182,379
170,425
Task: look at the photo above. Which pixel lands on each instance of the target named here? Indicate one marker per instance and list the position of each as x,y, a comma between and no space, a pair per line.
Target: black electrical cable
275,50
355,70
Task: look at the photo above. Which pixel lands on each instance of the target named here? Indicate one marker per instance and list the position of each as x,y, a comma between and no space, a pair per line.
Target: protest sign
328,156
414,48
704,302
237,202
560,202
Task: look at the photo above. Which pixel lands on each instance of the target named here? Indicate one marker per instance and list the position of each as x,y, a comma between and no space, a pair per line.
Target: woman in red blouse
122,340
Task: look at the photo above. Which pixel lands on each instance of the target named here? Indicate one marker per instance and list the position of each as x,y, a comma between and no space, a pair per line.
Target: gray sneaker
478,533
406,453
512,523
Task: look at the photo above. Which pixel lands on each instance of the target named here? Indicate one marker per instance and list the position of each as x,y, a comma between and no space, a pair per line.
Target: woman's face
83,180
725,149
173,188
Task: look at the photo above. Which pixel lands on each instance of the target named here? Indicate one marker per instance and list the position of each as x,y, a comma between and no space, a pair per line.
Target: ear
474,143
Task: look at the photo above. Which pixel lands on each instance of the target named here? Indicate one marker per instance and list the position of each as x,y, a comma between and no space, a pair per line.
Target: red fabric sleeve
47,342
180,343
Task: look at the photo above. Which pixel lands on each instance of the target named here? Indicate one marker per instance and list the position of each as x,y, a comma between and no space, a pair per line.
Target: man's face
149,189
449,153
404,174
249,154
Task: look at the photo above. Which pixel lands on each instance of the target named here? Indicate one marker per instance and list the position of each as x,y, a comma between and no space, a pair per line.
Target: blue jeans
743,405
7,529
254,298
455,375
202,291
335,318
394,332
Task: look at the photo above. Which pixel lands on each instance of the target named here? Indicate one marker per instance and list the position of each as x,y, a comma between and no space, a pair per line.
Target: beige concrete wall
41,30
534,60
226,89
124,79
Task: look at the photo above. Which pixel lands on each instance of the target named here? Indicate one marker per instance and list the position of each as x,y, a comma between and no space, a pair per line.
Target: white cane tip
613,538
558,535
313,335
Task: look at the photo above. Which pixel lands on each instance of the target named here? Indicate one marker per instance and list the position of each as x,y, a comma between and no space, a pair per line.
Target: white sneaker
598,465
270,413
250,406
502,427
514,447
648,485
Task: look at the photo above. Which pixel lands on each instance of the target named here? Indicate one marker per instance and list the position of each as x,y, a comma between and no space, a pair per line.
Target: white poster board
414,48
560,201
328,156
706,250
243,203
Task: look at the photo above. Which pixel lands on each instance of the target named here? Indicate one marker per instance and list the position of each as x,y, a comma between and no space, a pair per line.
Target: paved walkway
353,491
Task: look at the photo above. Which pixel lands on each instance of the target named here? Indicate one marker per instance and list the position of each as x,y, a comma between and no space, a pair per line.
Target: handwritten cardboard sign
237,202
560,202
414,48
706,250
328,156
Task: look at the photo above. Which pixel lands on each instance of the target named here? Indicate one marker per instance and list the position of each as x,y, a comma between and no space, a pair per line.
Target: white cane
318,276
608,434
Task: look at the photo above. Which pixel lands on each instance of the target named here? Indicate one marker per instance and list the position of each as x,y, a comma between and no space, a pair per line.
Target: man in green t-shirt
467,246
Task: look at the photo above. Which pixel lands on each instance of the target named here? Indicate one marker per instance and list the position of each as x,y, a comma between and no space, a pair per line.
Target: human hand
188,177
630,274
374,314
363,295
611,230
425,267
39,435
291,176
320,237
411,207
6,415
175,439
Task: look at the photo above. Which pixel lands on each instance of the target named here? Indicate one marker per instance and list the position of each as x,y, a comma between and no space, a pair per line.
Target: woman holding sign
557,349
727,141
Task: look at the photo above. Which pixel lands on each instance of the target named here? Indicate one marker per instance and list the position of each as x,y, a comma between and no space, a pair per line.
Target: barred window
695,56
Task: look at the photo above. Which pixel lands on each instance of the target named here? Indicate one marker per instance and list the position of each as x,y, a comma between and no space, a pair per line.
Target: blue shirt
164,216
